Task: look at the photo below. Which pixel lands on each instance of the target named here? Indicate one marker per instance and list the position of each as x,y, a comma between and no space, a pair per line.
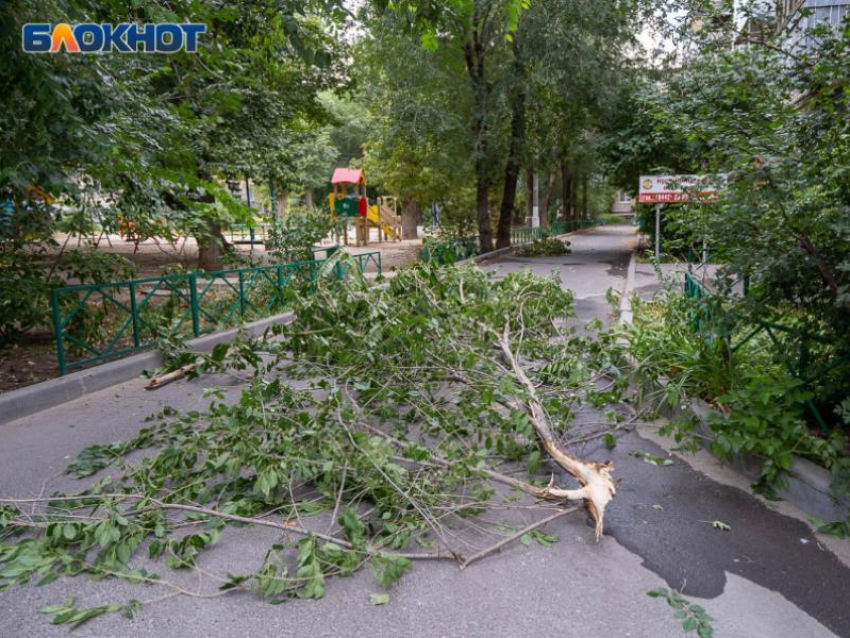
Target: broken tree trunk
597,486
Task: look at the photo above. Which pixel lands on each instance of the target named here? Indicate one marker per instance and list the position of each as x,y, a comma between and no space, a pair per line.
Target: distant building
624,204
754,22
786,21
792,26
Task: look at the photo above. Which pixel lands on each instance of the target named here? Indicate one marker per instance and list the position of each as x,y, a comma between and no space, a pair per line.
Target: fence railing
96,322
520,236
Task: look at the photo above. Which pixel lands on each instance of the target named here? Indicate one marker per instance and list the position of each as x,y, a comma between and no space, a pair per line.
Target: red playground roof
348,176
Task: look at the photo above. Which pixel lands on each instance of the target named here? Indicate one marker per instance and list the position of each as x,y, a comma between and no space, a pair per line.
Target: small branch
286,527
525,530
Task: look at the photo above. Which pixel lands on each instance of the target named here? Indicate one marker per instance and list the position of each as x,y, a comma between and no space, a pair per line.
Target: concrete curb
626,315
485,256
807,486
47,394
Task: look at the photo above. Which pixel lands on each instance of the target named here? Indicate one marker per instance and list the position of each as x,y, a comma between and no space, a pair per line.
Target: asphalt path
768,577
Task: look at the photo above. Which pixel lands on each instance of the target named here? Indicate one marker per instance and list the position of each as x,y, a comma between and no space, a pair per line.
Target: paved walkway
769,577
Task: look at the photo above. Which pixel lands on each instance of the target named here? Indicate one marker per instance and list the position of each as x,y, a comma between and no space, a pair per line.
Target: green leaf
652,459
379,599
389,568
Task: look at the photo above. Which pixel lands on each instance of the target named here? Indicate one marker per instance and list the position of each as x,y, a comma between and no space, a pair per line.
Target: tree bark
503,237
566,194
211,246
547,195
574,212
473,52
584,202
280,213
410,216
308,198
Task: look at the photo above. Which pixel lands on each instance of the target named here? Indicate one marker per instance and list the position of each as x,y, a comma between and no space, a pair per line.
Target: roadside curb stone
48,394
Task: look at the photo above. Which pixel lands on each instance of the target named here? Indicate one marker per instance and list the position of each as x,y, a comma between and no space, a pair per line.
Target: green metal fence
805,355
520,236
558,227
96,322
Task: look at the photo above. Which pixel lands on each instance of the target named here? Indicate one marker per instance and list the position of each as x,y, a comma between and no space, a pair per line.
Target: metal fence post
58,330
195,307
241,294
134,312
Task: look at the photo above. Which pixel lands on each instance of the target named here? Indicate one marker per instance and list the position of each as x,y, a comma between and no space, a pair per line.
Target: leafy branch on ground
417,420
693,617
548,247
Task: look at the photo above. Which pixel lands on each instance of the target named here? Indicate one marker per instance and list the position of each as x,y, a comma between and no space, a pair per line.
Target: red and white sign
672,189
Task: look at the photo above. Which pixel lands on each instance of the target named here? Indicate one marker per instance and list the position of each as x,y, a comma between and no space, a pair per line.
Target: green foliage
68,614
693,617
762,405
545,247
389,568
542,539
839,529
294,240
652,459
776,122
26,278
379,599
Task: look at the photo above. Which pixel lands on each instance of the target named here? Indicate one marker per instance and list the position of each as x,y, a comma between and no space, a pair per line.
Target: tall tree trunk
211,246
529,188
503,237
280,206
473,52
410,216
547,195
584,202
482,205
308,198
574,195
566,194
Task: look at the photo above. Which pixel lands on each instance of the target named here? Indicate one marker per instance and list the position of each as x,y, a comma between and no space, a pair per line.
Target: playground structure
348,202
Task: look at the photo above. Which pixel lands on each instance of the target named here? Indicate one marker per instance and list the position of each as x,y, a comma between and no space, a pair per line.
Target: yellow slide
380,218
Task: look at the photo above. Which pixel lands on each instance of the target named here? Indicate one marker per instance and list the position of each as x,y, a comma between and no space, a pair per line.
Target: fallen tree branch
285,526
598,487
164,379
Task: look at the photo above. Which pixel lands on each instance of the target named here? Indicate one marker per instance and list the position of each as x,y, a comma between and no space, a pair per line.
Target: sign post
658,208
676,189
